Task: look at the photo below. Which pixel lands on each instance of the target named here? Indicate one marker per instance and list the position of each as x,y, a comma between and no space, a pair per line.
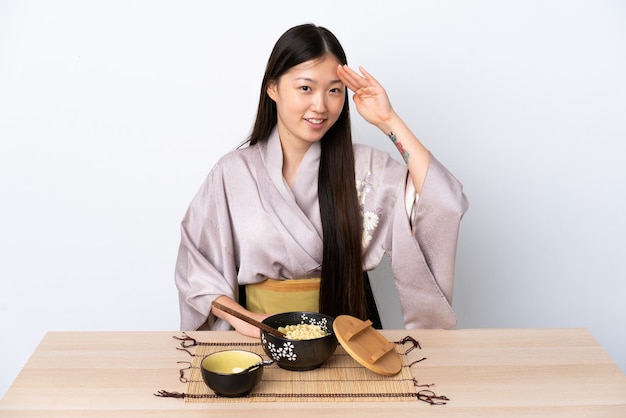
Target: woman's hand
369,96
240,326
373,105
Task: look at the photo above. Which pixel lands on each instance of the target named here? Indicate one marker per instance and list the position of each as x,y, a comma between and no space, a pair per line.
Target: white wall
112,113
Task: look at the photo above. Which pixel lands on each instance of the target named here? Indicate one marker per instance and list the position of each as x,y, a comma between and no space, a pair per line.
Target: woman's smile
315,123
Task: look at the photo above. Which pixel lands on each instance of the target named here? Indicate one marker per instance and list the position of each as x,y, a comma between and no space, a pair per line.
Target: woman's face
309,99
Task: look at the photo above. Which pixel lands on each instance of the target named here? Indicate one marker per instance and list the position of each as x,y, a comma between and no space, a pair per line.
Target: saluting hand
374,106
369,96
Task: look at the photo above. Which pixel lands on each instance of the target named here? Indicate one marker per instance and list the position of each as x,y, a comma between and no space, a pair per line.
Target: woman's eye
336,90
305,88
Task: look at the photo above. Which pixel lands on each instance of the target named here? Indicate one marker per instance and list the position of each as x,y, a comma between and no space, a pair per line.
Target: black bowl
221,372
299,355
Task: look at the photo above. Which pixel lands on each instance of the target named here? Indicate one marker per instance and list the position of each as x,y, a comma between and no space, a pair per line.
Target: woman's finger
350,78
370,78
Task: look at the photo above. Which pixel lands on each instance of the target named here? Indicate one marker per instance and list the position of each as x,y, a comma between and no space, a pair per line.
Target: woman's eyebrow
310,80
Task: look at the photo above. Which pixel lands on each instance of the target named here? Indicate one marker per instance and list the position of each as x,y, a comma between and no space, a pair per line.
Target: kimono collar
301,198
273,156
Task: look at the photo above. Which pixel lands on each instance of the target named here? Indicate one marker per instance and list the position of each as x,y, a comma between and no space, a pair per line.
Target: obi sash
276,296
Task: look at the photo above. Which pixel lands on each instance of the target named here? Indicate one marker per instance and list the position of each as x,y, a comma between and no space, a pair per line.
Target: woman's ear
272,90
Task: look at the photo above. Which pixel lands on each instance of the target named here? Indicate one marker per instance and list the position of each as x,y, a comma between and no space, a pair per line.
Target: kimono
245,224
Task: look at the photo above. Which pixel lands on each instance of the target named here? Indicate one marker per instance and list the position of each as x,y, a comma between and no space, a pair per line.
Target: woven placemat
340,378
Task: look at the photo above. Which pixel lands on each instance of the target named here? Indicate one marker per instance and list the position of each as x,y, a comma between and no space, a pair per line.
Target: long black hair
342,288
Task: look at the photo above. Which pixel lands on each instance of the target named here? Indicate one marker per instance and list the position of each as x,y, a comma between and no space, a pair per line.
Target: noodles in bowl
303,331
293,352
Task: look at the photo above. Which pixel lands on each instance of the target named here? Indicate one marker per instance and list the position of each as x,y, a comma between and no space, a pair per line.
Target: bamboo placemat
340,378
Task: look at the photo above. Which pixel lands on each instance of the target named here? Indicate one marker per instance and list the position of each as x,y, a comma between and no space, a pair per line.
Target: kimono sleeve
423,257
205,267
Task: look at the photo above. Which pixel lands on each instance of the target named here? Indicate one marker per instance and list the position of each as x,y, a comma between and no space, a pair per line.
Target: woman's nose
318,103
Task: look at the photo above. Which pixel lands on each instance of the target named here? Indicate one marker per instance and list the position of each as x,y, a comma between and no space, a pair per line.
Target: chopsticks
249,320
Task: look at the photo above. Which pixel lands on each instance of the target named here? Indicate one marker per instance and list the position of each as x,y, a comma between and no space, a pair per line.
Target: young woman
293,218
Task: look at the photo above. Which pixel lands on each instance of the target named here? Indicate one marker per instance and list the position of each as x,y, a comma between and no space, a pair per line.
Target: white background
113,112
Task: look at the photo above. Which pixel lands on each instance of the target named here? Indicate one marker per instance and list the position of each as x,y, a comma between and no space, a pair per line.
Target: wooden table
485,373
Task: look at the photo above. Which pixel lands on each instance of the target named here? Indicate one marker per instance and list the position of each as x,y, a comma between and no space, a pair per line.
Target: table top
484,372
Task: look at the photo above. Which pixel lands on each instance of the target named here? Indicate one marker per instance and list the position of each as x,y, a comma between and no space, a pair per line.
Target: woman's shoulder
242,152
236,158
